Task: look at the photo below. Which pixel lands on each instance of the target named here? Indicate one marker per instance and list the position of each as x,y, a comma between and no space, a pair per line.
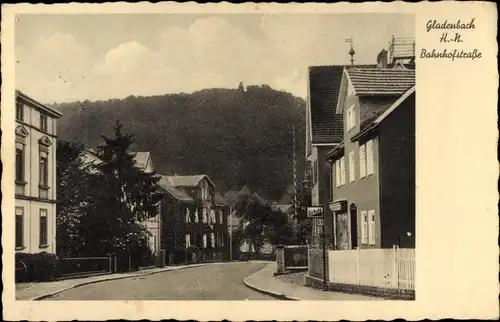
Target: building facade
323,132
194,226
35,193
373,171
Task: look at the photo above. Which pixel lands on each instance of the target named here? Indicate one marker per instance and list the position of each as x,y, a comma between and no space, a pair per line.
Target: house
373,168
194,226
323,132
35,181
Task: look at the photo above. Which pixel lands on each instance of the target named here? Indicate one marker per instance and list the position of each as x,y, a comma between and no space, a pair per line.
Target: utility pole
294,186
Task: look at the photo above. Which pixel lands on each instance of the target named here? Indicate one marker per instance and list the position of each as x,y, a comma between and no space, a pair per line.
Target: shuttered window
337,173
369,157
362,161
371,226
342,171
352,172
364,228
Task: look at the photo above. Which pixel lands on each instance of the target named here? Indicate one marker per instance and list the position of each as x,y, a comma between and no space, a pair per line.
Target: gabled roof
384,114
188,181
141,159
175,192
380,81
324,86
282,208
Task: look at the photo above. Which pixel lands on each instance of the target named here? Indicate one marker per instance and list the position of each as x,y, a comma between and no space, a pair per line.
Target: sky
69,57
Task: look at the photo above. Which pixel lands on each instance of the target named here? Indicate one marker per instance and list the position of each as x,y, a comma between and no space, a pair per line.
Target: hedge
40,267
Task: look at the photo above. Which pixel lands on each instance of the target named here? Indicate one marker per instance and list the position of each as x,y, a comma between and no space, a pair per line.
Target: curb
45,296
279,296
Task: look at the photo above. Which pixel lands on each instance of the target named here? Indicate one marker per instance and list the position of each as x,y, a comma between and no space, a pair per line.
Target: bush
40,267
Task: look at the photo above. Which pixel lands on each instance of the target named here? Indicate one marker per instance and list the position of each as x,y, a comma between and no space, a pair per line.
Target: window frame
337,173
19,235
19,111
364,227
44,175
352,169
371,227
20,167
342,171
204,240
370,166
362,161
43,233
44,122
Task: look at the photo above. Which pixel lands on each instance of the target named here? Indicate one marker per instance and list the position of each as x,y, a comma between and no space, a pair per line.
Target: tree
260,223
73,181
123,197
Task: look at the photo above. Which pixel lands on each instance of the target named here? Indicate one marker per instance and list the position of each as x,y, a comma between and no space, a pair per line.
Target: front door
342,231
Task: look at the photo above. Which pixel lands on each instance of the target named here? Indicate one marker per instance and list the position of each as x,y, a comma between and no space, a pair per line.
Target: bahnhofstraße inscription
451,33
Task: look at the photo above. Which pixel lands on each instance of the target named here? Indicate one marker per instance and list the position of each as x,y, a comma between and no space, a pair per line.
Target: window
371,226
19,227
19,112
351,121
352,172
204,214
369,157
43,122
188,216
221,217
337,173
212,240
196,219
43,227
44,169
342,171
212,216
364,228
362,162
188,240
204,240
19,162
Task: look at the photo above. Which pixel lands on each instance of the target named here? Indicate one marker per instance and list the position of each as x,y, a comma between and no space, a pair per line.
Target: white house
35,173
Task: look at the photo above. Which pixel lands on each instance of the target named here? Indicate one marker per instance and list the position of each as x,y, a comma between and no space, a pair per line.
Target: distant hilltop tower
241,88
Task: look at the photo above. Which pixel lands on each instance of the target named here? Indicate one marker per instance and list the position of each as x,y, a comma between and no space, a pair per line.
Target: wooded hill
239,138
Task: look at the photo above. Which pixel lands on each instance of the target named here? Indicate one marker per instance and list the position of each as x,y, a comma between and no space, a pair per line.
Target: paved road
211,282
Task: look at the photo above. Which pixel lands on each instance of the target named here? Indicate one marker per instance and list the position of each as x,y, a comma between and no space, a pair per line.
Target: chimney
382,59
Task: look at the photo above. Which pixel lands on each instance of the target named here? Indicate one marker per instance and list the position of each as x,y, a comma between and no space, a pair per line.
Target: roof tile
378,81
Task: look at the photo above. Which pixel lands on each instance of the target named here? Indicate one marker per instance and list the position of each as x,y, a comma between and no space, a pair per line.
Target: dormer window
350,118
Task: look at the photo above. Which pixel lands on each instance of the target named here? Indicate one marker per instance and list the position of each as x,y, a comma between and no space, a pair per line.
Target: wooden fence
384,268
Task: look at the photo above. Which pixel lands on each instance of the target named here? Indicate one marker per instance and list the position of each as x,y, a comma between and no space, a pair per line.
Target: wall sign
315,212
338,206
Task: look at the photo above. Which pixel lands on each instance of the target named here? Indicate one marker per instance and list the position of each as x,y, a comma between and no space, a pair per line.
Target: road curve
210,282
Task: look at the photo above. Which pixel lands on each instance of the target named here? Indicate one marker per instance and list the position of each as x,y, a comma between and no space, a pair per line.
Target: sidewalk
265,282
38,291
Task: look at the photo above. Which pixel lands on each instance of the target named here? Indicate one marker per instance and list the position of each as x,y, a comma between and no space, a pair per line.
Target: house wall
397,175
320,187
363,193
29,198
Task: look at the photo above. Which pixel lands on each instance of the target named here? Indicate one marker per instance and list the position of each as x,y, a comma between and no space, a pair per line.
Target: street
210,282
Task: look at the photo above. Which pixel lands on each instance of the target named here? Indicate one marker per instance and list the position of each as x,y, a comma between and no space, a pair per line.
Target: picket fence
392,268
